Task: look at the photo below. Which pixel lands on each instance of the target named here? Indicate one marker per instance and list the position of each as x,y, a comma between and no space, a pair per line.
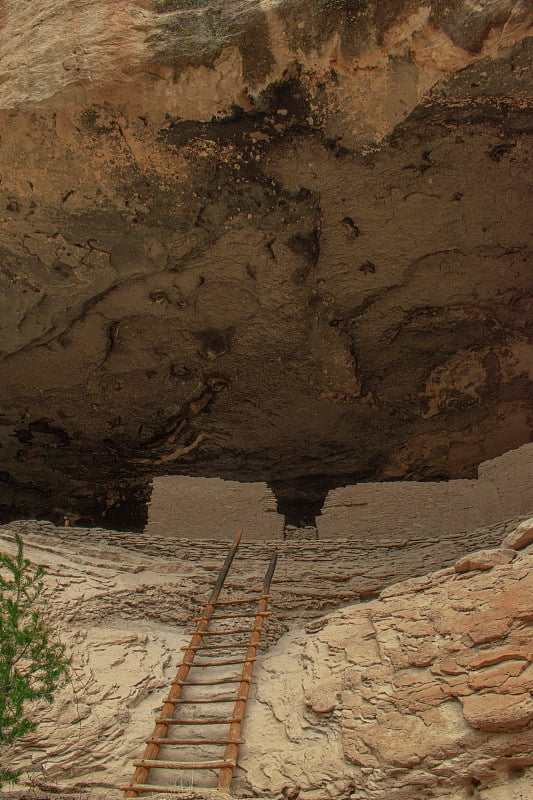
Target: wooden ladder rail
232,748
140,775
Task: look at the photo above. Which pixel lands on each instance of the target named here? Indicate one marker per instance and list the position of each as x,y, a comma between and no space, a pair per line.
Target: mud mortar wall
369,511
210,508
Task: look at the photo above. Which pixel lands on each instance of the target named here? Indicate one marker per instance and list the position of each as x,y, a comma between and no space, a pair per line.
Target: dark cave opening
124,508
301,500
300,513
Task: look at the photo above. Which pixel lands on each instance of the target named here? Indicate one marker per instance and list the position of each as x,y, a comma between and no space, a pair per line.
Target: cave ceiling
283,241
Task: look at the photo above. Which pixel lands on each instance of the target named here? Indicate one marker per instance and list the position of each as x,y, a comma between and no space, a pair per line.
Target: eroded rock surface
424,692
313,576
268,240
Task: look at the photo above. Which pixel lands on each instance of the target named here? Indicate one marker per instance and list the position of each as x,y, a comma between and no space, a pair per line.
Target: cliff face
426,692
423,692
280,241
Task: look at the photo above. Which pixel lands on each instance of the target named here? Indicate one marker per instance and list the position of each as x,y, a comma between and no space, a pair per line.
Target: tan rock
368,704
521,537
325,698
406,740
487,630
484,559
448,666
497,712
485,658
496,676
519,683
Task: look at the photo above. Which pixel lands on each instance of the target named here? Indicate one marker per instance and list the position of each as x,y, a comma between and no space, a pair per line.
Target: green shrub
32,662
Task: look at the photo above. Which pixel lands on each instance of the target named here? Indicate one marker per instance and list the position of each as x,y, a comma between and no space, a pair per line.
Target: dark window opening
299,512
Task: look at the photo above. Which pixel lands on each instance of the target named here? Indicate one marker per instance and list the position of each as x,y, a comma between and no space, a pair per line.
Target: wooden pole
232,749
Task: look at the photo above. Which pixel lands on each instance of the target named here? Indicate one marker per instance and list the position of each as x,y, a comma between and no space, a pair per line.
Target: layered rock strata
313,577
424,692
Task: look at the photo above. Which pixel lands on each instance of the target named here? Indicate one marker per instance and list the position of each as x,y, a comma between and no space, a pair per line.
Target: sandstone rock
422,690
521,537
498,712
427,654
482,658
311,578
484,559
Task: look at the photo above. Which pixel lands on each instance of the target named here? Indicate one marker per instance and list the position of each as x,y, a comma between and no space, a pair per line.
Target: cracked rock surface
275,241
423,692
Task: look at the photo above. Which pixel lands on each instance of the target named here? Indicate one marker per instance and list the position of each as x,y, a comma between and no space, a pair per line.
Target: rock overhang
315,273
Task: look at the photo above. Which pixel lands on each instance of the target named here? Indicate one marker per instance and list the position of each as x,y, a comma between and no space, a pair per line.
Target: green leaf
32,662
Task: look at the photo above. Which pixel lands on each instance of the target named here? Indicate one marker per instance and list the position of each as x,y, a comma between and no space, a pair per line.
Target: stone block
497,712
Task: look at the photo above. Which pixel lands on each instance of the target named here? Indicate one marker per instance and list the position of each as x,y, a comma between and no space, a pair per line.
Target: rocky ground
423,692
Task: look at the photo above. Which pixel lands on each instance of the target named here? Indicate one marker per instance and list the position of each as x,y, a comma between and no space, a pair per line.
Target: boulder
484,559
521,537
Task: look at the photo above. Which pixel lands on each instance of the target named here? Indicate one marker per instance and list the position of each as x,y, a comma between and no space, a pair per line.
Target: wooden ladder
171,712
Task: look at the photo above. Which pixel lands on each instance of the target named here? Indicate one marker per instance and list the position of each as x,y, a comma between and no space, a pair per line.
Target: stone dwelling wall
213,509
369,511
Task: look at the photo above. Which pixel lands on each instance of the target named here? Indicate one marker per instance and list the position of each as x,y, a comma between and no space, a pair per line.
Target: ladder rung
188,742
250,614
155,764
223,633
148,787
217,663
218,682
180,701
210,721
219,647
